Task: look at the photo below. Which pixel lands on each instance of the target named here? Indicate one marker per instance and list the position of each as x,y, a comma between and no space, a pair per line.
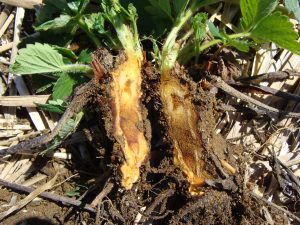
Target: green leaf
70,126
255,10
66,52
83,6
163,5
160,9
278,29
73,193
85,56
179,5
94,23
64,86
124,24
240,45
132,13
49,9
156,52
74,5
92,19
215,31
56,106
99,24
44,87
293,6
161,23
78,118
37,58
77,6
58,22
42,58
199,26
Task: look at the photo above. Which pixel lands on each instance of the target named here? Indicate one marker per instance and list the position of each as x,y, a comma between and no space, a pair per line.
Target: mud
162,194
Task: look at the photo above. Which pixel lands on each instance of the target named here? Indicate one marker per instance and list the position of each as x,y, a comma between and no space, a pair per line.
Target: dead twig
102,194
28,4
271,77
6,24
47,195
19,82
219,83
6,47
282,178
268,90
276,206
80,99
23,101
148,213
292,176
21,137
33,194
98,200
4,14
97,184
239,108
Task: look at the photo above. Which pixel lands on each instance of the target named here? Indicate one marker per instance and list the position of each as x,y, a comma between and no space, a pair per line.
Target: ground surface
162,194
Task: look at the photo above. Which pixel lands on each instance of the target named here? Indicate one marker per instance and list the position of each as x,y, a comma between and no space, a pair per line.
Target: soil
161,195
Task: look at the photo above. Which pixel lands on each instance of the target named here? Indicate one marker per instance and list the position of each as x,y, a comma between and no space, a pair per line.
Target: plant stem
84,5
135,33
185,37
216,41
83,26
170,50
90,34
78,68
190,51
126,33
128,40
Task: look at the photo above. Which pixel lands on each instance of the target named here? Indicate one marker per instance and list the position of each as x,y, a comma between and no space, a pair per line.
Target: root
182,118
128,120
126,112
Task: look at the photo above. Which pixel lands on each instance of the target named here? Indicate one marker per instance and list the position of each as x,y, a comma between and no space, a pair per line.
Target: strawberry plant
117,28
180,36
259,23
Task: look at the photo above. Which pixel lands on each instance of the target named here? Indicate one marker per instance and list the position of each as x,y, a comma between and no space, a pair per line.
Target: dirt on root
161,195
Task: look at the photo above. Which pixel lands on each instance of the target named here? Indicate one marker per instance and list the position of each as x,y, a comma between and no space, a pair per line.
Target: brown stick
33,194
80,99
6,24
219,83
148,212
6,47
102,194
238,108
268,90
27,4
23,101
4,14
270,77
48,195
276,207
99,181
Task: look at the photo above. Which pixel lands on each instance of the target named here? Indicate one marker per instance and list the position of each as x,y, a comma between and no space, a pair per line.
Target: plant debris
161,112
